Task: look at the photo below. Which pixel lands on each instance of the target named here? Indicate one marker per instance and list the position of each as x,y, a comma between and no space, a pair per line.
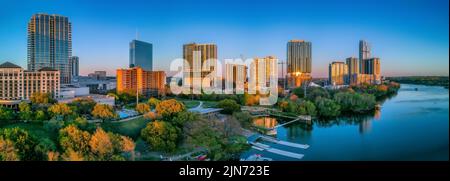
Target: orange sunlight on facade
148,83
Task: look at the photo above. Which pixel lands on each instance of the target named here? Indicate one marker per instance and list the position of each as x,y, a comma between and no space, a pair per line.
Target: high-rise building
198,56
261,71
50,44
98,75
17,84
337,73
353,68
141,54
364,54
147,83
299,60
235,78
74,66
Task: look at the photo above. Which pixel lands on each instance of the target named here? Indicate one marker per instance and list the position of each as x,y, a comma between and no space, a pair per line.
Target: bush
160,135
229,106
327,107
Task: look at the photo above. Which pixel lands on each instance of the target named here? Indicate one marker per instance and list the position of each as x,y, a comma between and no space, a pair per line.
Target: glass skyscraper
364,54
50,44
141,54
299,59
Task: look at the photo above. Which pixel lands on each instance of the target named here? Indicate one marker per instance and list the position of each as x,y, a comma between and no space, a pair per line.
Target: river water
412,125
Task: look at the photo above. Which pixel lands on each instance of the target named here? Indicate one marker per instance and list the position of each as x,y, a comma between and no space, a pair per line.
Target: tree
169,108
71,155
23,142
160,135
283,105
52,156
306,108
153,102
60,110
42,98
327,107
7,151
229,106
183,117
104,112
83,105
150,116
74,139
355,102
101,145
25,111
6,113
245,119
142,108
40,115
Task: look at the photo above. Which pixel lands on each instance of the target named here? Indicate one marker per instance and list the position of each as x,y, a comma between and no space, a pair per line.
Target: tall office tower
147,83
74,66
197,56
337,73
235,78
373,68
353,69
364,54
141,54
261,70
299,58
50,44
17,84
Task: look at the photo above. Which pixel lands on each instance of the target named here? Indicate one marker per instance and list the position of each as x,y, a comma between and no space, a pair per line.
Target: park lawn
131,128
190,103
35,129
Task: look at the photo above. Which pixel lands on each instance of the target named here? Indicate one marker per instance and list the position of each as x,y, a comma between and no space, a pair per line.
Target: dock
295,145
264,147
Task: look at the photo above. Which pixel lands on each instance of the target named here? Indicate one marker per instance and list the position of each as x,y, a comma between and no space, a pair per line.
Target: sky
411,37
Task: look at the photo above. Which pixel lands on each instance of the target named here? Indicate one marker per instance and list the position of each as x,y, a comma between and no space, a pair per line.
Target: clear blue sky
410,36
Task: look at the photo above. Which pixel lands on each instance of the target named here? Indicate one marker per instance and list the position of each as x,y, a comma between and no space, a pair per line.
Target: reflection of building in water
365,126
377,114
265,122
299,131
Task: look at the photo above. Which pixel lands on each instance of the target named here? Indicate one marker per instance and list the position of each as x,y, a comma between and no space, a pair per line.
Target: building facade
197,57
353,68
74,62
17,84
235,78
299,62
50,44
137,80
262,70
338,72
141,54
364,54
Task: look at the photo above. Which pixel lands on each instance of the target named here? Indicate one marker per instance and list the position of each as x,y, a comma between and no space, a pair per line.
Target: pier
252,140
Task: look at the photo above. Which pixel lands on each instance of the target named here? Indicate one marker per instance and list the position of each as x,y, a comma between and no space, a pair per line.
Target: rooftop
9,65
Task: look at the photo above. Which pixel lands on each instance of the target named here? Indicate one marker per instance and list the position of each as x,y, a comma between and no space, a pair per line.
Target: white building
17,84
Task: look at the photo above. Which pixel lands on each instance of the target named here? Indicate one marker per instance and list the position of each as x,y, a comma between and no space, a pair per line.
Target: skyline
412,40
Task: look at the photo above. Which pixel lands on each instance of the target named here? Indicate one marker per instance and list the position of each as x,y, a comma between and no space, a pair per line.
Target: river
412,125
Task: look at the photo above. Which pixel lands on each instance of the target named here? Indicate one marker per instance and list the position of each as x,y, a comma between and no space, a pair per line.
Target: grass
35,129
190,104
131,128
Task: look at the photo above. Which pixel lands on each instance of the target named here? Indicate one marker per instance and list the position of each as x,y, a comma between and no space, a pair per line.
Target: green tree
327,107
229,106
60,110
83,105
355,102
183,117
6,113
160,135
306,108
23,142
25,112
40,115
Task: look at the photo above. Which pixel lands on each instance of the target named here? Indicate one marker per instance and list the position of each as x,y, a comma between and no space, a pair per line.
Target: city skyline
407,48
